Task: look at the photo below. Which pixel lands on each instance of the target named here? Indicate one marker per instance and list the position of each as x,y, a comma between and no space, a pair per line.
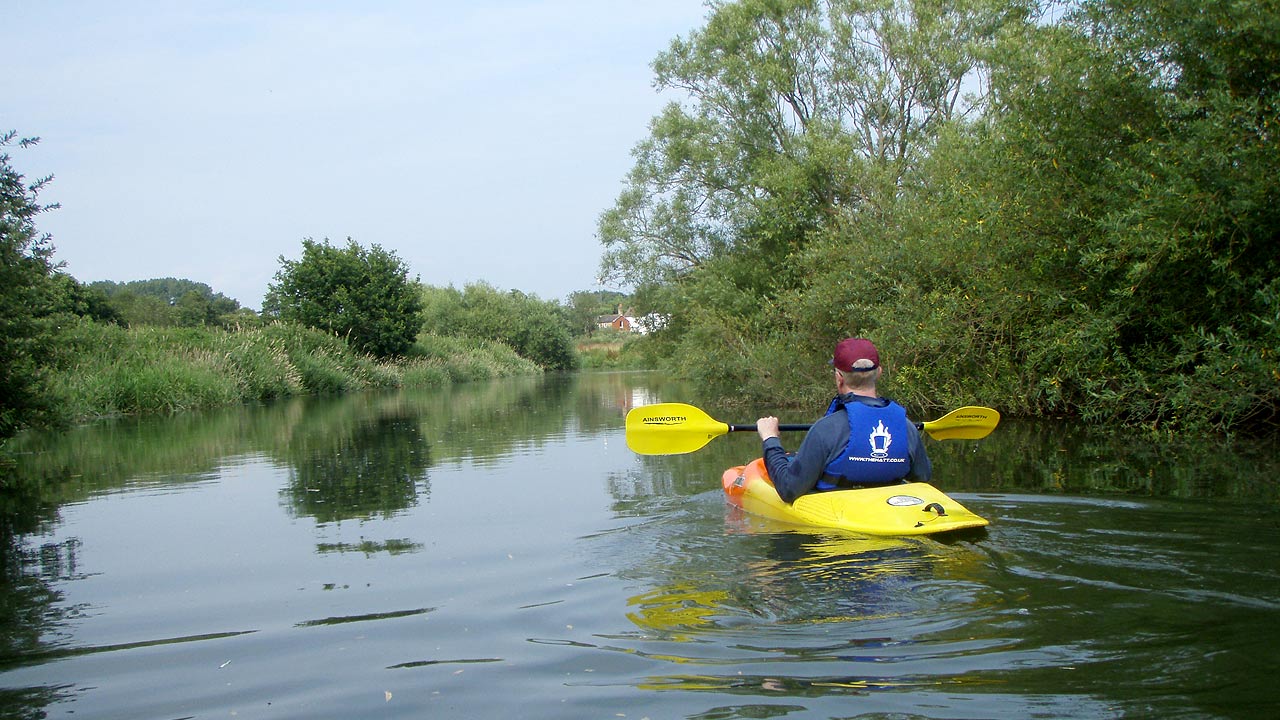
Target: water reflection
502,529
673,609
369,548
797,577
30,609
479,423
1066,458
357,467
765,611
357,458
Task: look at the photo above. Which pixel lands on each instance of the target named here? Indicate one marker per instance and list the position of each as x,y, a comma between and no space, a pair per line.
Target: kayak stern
903,509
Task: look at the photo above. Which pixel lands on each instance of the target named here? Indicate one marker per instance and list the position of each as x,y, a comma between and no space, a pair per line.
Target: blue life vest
877,452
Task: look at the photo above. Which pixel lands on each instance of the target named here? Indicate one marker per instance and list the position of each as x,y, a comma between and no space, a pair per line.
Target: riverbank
101,370
609,355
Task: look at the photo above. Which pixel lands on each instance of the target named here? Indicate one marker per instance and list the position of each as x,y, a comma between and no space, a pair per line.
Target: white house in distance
628,322
620,321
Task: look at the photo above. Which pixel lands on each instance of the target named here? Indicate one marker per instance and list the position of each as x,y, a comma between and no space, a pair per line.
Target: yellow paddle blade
670,429
966,423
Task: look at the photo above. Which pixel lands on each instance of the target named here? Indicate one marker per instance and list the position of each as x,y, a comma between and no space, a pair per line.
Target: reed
468,359
101,370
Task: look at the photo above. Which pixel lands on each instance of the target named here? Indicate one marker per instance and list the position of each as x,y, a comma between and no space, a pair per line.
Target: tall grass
613,351
439,360
100,370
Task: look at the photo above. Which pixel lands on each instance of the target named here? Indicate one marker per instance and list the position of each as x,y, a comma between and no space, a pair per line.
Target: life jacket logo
880,440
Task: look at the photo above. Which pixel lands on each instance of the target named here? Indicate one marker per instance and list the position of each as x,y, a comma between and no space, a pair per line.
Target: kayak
904,509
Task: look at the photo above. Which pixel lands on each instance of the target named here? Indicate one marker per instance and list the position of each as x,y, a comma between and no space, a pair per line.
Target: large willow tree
1068,209
799,112
1103,243
801,117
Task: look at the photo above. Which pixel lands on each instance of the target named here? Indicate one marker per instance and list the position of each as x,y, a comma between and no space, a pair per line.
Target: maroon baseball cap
850,351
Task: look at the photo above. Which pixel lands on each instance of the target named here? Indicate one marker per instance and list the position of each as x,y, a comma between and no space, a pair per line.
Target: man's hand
767,427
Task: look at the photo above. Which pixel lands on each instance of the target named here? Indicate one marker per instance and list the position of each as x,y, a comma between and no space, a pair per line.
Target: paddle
676,428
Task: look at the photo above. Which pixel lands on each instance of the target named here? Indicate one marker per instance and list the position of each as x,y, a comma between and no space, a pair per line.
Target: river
496,551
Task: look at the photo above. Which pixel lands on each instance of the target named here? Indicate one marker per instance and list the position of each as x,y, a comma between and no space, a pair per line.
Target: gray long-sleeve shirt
795,475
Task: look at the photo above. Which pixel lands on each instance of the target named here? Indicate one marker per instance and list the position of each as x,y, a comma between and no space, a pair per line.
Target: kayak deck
904,509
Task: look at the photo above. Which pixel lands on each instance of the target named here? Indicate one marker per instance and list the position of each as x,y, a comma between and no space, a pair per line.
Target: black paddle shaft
782,428
793,427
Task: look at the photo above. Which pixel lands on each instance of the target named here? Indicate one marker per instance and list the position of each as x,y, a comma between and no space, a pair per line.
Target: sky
479,141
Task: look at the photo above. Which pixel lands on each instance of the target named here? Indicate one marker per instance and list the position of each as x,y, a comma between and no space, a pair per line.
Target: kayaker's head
857,364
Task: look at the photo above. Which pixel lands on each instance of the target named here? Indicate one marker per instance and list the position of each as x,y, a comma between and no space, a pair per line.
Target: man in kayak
863,440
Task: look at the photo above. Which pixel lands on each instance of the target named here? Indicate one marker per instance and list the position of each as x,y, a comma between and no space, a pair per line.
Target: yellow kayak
904,509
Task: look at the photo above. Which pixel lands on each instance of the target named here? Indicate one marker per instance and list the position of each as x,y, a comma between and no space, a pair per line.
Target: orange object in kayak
902,509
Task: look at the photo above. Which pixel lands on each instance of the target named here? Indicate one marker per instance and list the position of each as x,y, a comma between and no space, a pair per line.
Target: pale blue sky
202,140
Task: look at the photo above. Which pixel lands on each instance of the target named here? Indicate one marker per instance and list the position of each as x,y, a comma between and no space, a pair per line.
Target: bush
362,295
466,359
535,329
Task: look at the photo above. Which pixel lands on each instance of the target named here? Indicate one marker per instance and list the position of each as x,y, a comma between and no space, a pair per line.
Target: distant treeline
1057,209
337,319
167,302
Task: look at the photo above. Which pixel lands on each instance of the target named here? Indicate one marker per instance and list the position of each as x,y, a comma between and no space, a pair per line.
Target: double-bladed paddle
676,428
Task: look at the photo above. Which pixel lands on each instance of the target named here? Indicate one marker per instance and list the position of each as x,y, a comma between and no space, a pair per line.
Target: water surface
496,551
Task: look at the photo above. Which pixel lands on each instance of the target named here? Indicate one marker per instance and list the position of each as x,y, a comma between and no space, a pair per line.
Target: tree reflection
29,606
369,548
358,468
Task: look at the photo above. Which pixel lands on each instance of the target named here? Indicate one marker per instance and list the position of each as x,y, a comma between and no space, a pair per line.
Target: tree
169,301
585,306
363,295
1100,244
26,292
802,113
536,329
804,118
194,310
85,301
1149,127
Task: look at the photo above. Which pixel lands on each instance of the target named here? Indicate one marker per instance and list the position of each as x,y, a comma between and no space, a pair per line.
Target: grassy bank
101,370
606,350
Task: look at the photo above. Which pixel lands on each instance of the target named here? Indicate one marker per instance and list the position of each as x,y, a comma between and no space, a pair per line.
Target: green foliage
439,359
362,295
106,370
586,306
100,369
1099,242
169,302
799,113
534,328
615,350
358,470
73,298
137,310
1126,214
27,295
